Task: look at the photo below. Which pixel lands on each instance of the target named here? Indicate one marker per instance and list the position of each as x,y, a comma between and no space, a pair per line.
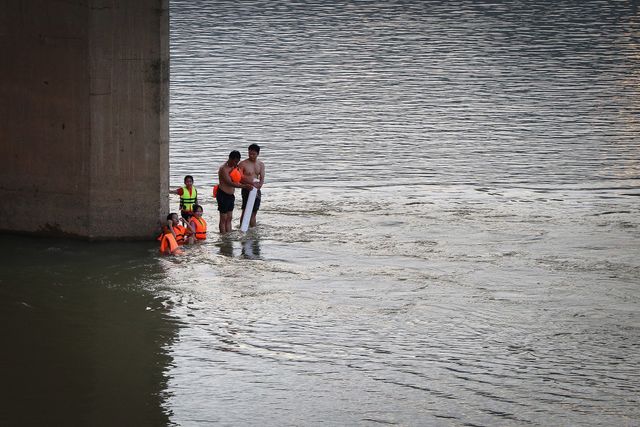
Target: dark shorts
245,196
225,201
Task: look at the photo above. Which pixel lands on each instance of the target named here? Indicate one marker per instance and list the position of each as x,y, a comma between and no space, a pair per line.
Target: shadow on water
85,339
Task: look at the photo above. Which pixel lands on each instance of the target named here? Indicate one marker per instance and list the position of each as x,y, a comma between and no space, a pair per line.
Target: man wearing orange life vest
188,197
198,224
172,234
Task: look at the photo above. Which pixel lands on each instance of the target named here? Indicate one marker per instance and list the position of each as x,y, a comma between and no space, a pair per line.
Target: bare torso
252,170
224,180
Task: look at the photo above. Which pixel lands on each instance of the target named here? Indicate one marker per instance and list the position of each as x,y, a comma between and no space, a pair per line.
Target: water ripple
450,220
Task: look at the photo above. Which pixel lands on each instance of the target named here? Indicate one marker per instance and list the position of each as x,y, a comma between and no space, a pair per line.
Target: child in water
173,236
198,224
188,197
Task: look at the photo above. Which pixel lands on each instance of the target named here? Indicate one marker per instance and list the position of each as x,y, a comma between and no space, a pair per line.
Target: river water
449,231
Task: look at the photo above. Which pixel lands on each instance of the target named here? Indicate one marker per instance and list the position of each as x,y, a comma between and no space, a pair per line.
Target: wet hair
187,177
196,207
170,216
254,147
235,154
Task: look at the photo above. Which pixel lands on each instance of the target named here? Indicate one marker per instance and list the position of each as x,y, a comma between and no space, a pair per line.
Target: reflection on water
251,248
226,247
237,244
85,338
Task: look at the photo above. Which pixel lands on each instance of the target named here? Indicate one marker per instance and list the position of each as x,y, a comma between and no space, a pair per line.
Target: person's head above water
197,209
188,180
173,217
234,158
254,151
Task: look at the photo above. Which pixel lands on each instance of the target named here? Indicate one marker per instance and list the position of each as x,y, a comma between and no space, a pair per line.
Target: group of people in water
191,227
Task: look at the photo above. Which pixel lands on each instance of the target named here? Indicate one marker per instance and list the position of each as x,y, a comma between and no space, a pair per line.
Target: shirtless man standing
252,169
226,189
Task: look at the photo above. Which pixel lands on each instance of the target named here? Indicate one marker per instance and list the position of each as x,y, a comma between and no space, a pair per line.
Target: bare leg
222,223
252,222
241,216
228,220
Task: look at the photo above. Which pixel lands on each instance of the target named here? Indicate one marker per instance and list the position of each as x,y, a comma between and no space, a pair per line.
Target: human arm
170,227
186,224
191,227
224,174
261,174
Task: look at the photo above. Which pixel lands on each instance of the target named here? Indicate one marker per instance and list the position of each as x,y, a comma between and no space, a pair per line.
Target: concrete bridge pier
84,108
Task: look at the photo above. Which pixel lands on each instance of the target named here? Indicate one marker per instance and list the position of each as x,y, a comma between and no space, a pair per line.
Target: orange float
235,175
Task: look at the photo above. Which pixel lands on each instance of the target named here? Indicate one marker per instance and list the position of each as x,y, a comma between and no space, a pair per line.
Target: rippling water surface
449,232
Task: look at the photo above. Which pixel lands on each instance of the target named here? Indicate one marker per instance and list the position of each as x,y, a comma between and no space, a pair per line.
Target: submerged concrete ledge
84,101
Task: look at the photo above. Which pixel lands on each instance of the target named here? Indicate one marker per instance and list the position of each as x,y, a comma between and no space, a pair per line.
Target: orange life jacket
179,230
181,234
201,227
165,230
168,244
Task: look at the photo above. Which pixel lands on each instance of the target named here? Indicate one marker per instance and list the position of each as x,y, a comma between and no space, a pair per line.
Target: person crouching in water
226,188
174,235
198,224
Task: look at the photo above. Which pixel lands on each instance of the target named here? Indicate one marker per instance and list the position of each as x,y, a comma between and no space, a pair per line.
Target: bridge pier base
84,108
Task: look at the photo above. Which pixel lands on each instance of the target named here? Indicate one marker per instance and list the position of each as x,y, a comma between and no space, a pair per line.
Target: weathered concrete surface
84,132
